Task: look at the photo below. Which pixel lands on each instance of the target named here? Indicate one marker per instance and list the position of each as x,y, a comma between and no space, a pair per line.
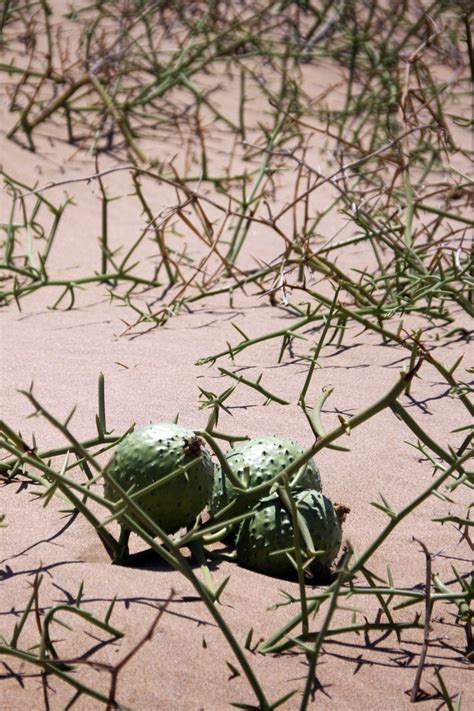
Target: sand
151,375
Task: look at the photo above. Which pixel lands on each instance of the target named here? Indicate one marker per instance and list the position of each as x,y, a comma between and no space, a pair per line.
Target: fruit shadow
150,559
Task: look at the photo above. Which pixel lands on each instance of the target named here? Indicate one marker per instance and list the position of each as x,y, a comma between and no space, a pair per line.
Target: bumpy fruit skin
151,453
265,457
271,529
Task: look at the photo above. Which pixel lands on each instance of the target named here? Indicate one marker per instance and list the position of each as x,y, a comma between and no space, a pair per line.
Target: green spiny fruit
271,530
255,462
153,452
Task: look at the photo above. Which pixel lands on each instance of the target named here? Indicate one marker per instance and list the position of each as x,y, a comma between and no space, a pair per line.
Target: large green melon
271,530
151,453
260,460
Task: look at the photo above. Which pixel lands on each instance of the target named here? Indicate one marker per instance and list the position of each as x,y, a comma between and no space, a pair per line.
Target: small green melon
271,530
152,452
259,460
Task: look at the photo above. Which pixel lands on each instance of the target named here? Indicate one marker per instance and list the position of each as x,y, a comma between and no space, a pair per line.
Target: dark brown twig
426,631
112,703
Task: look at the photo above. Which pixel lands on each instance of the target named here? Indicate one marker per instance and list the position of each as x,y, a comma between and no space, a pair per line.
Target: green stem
53,668
46,643
342,576
243,224
256,386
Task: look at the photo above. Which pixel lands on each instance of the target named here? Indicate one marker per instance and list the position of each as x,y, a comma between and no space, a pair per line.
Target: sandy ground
151,375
